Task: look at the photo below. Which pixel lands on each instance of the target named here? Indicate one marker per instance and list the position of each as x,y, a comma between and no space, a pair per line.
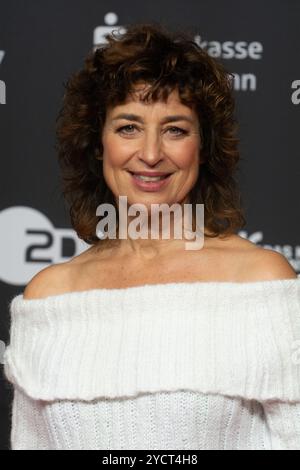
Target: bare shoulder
60,278
267,264
256,263
52,280
252,262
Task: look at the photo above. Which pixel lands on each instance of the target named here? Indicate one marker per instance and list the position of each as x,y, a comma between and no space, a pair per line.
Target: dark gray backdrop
43,42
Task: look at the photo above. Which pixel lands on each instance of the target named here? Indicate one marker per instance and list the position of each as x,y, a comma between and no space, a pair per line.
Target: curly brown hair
149,53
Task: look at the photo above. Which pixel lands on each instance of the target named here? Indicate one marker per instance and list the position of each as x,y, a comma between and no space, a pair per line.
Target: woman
139,343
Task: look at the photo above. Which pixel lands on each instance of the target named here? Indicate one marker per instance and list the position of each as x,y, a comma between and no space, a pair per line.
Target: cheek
186,154
115,150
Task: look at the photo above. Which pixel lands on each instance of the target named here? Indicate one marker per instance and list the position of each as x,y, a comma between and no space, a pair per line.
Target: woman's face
148,141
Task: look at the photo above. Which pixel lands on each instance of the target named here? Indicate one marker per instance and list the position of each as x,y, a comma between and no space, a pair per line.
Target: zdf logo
29,242
2,352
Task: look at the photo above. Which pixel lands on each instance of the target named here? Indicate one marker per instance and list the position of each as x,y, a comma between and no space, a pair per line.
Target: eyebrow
135,117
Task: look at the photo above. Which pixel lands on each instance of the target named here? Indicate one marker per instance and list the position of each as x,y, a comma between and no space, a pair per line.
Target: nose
151,151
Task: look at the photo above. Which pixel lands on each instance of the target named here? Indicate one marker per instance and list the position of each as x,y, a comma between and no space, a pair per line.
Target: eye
121,130
182,131
124,129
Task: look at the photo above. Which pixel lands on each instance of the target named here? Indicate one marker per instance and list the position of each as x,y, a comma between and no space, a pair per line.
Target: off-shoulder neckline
248,285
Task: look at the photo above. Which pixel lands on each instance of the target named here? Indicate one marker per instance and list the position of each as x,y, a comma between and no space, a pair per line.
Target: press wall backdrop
43,42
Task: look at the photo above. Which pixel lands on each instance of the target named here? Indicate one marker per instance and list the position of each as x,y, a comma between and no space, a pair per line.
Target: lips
150,181
150,174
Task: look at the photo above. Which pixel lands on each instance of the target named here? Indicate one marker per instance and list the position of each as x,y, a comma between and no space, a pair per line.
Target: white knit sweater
202,365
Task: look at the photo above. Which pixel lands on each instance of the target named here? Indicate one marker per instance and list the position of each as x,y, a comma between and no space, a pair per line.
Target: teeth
150,178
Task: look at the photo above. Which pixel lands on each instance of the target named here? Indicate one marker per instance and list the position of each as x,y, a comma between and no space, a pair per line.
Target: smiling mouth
150,178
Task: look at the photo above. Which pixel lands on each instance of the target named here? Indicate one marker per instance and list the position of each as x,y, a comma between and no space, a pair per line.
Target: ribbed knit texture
202,365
